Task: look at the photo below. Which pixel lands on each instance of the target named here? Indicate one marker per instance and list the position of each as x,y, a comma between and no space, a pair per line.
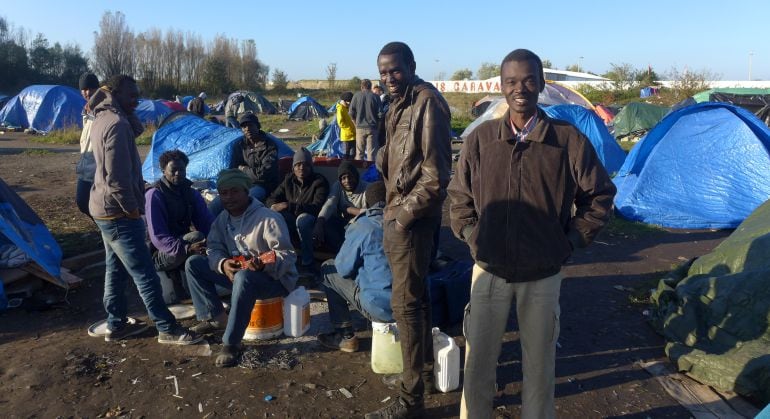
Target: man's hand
134,215
279,206
254,264
230,268
353,211
197,248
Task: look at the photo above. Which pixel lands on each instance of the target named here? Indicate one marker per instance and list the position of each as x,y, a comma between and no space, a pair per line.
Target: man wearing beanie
299,199
359,275
345,201
86,166
245,230
347,128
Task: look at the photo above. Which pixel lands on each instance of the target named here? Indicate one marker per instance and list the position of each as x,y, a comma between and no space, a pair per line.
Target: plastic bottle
296,313
386,349
446,368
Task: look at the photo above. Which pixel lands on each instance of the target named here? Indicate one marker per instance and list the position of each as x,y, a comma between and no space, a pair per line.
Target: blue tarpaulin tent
329,144
44,108
307,108
24,237
152,111
209,146
703,166
608,150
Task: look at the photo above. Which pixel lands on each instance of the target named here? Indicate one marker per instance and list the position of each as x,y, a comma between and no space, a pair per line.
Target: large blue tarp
209,146
152,111
702,166
44,108
21,228
608,150
329,144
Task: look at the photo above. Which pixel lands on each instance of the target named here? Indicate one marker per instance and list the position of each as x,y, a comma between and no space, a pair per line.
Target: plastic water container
296,313
386,349
446,368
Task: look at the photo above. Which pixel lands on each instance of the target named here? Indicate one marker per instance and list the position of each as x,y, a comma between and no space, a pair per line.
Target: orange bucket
266,319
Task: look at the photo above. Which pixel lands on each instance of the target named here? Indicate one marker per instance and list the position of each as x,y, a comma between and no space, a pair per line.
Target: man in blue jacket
359,275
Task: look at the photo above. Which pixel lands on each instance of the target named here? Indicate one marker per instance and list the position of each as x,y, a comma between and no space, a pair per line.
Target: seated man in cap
359,275
241,234
345,202
172,208
197,106
258,158
299,199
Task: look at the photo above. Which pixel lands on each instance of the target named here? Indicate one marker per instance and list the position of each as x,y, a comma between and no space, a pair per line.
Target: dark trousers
349,149
409,255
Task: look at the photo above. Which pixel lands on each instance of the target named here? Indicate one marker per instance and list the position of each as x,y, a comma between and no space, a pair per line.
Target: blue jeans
232,122
247,287
301,227
82,195
127,256
339,292
257,192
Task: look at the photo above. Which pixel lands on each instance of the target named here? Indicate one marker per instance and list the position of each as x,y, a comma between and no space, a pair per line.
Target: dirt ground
51,368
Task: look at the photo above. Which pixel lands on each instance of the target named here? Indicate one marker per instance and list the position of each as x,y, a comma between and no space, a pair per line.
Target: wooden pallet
68,280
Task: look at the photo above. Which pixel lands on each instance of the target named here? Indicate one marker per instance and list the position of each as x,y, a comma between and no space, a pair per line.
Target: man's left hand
279,206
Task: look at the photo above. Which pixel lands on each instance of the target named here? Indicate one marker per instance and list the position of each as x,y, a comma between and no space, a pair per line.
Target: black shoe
129,329
179,336
399,409
205,327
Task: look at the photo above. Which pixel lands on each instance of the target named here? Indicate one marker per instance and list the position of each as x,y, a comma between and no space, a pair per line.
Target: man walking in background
415,164
365,109
88,85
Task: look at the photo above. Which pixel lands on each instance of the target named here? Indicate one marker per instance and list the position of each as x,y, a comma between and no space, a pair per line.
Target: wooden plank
699,399
12,274
69,280
75,263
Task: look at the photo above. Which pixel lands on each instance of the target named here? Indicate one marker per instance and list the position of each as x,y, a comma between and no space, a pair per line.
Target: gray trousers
537,311
366,142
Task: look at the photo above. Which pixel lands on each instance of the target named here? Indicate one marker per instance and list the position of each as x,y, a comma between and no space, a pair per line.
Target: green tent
715,312
637,116
705,95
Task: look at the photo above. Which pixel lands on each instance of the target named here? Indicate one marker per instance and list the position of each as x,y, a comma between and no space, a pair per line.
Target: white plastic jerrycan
446,368
296,313
386,349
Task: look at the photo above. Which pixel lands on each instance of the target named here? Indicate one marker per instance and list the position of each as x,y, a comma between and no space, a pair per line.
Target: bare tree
331,74
547,63
463,74
113,51
687,82
622,76
487,71
280,80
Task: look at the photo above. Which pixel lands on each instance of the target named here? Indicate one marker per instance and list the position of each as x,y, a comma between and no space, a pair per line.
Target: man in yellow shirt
347,128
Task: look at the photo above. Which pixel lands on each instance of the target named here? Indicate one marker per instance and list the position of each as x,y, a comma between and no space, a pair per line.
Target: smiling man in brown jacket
511,200
415,163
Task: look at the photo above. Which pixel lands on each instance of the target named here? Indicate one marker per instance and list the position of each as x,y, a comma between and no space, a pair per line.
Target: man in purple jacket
172,207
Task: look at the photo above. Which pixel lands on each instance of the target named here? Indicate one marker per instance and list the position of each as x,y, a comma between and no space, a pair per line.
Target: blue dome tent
608,150
307,108
329,144
152,111
209,146
44,108
703,166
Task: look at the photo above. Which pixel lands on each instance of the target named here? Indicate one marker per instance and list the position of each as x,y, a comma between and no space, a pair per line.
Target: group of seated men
224,249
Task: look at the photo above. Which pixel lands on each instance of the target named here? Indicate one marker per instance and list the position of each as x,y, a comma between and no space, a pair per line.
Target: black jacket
260,162
307,197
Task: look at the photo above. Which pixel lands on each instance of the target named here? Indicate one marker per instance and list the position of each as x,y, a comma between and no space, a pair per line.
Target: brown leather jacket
512,202
417,157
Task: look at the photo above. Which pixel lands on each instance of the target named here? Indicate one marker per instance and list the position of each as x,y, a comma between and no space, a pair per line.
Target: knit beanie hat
88,81
347,168
375,193
302,156
347,96
229,178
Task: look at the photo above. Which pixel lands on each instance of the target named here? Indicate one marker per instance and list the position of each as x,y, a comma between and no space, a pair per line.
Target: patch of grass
146,137
621,227
37,152
67,136
626,145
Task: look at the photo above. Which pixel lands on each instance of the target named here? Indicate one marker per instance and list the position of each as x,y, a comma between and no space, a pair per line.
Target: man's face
127,96
348,182
175,171
521,84
250,132
301,170
86,93
234,199
395,73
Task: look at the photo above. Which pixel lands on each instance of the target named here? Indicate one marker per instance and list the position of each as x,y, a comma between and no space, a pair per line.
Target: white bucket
446,355
386,349
296,313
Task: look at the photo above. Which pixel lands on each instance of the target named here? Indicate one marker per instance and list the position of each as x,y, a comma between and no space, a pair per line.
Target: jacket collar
505,133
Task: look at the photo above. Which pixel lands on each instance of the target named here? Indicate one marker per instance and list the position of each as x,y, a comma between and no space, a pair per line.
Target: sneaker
335,340
398,409
205,327
128,329
179,336
393,381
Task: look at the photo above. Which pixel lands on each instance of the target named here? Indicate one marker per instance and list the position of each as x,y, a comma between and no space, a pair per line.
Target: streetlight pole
751,54
580,64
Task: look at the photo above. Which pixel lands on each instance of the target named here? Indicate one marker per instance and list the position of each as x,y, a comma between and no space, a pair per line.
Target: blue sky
303,37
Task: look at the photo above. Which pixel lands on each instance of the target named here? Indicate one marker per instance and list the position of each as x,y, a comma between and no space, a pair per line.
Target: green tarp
637,116
705,95
715,312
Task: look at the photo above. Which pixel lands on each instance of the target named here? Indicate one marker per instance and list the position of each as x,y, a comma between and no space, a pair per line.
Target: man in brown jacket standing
512,201
415,163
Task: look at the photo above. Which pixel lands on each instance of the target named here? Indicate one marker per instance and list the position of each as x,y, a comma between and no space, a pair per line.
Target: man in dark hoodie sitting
346,200
299,199
116,204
